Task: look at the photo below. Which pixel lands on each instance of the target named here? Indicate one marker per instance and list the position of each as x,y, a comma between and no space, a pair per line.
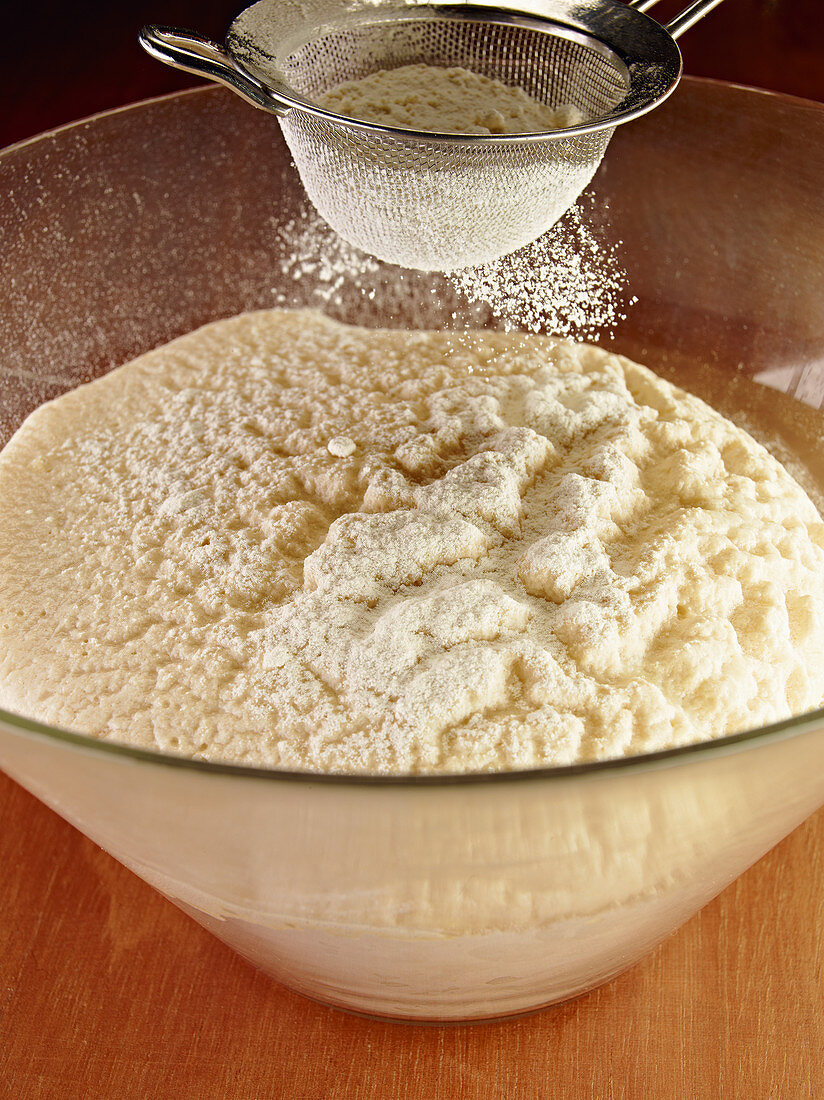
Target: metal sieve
443,201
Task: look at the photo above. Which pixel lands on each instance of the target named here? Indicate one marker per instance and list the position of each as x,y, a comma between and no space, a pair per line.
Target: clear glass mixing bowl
454,898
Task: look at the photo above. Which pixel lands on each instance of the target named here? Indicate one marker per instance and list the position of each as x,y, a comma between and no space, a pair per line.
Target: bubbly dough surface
281,540
445,101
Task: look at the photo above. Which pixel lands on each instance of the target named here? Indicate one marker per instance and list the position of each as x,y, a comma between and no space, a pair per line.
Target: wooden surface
106,990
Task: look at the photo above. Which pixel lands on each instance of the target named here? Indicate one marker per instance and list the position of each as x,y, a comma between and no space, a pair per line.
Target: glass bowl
428,898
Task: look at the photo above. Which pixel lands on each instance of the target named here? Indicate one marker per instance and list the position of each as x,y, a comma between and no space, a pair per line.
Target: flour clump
284,541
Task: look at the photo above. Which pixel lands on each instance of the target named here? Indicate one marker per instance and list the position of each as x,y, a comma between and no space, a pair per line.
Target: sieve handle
194,54
690,15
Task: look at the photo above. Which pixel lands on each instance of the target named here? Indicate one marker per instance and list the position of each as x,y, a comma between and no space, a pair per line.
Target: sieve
440,202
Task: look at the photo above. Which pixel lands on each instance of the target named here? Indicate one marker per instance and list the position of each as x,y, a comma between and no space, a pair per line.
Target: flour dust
570,282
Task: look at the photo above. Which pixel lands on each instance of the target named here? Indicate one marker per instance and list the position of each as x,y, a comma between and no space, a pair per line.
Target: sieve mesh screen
548,66
443,205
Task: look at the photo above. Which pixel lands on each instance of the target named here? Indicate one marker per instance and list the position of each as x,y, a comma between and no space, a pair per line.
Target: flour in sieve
451,100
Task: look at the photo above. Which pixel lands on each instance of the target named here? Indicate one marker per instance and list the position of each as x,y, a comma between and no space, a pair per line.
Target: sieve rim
666,69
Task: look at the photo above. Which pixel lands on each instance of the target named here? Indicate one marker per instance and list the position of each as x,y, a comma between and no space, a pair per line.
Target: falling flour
282,540
570,282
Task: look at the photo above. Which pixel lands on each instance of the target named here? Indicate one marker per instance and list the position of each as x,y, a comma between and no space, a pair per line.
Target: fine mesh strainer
442,201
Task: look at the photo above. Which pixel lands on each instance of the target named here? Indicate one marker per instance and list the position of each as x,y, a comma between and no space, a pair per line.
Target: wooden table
107,991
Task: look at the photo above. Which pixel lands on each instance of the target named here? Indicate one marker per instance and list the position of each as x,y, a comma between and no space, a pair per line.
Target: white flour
569,283
445,100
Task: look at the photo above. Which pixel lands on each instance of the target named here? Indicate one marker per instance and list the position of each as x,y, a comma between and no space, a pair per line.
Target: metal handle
194,54
690,15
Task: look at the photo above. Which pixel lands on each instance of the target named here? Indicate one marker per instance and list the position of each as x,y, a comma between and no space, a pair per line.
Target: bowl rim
786,729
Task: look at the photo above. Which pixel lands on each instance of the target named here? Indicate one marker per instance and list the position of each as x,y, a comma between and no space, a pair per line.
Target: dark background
63,61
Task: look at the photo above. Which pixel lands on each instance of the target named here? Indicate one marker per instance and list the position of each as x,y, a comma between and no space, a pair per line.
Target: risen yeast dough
282,540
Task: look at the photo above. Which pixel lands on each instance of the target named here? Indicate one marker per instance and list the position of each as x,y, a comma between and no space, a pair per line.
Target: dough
281,540
446,101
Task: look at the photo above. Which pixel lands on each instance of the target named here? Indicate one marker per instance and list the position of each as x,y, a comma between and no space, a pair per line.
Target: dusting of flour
570,282
282,540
